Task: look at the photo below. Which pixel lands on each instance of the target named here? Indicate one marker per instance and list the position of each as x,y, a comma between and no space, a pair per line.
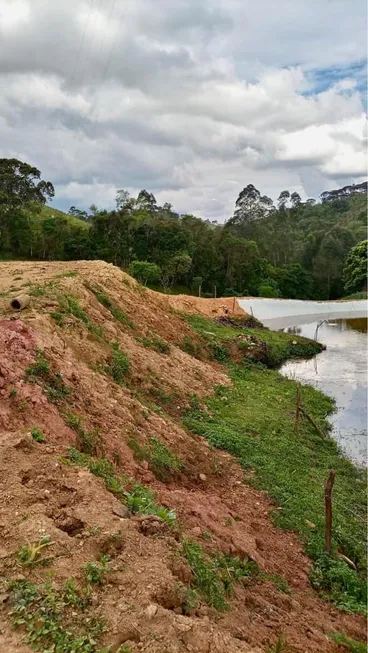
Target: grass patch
66,275
142,501
164,464
214,575
119,315
55,619
271,348
100,467
254,420
353,645
190,346
37,435
88,442
52,382
118,365
159,345
95,572
69,304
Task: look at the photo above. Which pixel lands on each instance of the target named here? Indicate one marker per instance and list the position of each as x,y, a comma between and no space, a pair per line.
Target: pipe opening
15,303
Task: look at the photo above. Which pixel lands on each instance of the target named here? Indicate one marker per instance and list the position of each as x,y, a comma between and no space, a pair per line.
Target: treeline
294,249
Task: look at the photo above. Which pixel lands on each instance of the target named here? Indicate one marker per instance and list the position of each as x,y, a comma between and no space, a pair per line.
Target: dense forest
313,249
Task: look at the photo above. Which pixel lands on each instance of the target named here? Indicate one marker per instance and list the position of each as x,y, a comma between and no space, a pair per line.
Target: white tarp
282,313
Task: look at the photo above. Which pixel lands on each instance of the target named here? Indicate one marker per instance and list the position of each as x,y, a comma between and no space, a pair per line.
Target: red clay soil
143,598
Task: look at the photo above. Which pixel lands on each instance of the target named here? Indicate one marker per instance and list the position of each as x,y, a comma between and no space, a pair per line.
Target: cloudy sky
190,99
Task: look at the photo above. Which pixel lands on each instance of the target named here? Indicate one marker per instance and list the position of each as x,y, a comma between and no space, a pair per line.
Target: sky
189,99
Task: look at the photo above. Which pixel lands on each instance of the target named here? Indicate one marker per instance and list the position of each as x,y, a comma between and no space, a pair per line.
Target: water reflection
341,372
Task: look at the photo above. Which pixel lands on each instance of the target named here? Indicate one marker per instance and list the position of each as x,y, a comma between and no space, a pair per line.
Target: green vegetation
349,644
31,554
333,578
141,500
159,345
69,304
255,344
55,619
88,442
37,435
100,467
214,575
96,572
285,249
254,420
118,365
51,382
119,315
164,464
355,270
189,346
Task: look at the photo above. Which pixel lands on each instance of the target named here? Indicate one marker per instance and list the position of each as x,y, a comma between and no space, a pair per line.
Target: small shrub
37,435
51,382
95,572
279,581
118,366
30,554
206,579
13,393
40,368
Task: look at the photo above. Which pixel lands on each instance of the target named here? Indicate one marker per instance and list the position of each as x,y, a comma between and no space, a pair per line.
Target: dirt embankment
77,311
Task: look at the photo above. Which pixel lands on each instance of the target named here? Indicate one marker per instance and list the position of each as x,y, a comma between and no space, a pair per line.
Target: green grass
69,305
139,499
164,463
271,348
213,576
55,619
37,435
159,345
190,346
88,442
107,302
51,382
254,420
352,645
31,554
118,365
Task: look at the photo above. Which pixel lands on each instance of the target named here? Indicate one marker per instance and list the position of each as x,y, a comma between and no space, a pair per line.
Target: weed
13,393
141,500
352,644
22,405
164,464
341,584
58,317
44,614
189,346
36,291
69,304
100,467
30,554
37,435
66,275
88,442
95,572
94,531
119,315
279,581
219,353
214,575
279,646
118,365
159,345
52,383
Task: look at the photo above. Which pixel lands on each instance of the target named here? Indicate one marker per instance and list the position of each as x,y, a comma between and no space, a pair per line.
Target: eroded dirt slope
58,374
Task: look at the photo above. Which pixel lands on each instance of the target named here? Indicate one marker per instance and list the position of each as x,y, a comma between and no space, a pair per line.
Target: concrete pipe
20,302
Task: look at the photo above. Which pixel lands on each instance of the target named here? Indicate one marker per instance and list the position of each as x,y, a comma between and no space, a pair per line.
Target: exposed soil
142,598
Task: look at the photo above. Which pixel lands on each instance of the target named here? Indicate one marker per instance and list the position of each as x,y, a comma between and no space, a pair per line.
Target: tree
145,272
295,199
355,269
122,199
250,206
282,200
295,282
20,184
78,213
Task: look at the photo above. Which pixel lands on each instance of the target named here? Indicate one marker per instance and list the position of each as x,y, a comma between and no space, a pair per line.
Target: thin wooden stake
234,306
328,511
311,420
298,409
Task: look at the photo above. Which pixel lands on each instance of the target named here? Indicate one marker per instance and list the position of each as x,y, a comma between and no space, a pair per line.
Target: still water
341,372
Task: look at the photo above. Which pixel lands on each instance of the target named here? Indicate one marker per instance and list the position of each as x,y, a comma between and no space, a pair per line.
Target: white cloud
189,100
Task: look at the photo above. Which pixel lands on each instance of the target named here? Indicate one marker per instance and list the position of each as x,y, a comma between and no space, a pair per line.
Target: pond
340,371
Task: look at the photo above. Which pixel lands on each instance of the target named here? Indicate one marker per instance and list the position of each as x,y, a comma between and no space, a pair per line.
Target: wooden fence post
328,511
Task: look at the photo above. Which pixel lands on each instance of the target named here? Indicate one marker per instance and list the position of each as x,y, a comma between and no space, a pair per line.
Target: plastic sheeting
282,313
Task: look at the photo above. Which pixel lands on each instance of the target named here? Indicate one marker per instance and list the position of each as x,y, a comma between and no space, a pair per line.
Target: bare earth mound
100,364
